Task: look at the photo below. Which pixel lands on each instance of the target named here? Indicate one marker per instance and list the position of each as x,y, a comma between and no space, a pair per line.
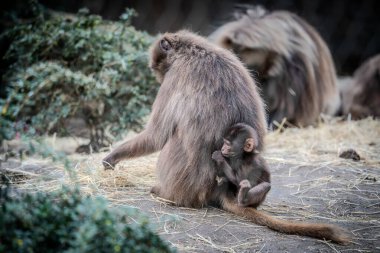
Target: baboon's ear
249,145
165,45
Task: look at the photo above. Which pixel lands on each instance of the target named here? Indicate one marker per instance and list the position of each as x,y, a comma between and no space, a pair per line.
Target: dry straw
313,146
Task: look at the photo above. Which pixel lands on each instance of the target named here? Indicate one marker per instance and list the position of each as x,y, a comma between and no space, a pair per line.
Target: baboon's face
258,60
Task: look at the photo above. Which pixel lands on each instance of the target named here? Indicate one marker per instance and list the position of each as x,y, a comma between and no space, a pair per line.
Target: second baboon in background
289,58
361,94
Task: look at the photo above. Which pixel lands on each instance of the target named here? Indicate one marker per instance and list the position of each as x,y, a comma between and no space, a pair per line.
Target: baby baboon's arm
224,167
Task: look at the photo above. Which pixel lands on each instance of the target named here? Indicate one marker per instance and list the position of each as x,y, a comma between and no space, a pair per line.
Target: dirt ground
309,183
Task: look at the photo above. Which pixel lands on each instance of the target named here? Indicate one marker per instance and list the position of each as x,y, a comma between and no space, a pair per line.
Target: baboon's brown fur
361,95
293,64
242,165
204,90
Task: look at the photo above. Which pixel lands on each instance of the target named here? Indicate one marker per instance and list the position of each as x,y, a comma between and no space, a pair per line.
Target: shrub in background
77,66
65,221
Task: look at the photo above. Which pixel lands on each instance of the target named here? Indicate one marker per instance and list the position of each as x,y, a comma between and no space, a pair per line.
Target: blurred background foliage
65,66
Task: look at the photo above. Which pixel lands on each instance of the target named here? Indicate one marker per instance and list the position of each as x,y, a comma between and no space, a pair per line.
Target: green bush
77,66
67,222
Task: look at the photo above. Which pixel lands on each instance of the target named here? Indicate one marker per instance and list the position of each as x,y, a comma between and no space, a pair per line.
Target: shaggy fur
204,90
361,95
291,61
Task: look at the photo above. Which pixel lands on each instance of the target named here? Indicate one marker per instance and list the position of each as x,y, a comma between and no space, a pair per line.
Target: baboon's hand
217,156
155,190
109,163
245,184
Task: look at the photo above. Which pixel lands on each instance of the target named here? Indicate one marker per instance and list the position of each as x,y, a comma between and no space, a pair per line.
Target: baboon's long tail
321,231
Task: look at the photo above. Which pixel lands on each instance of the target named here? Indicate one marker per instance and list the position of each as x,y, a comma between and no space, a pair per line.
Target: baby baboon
289,58
204,90
361,95
243,166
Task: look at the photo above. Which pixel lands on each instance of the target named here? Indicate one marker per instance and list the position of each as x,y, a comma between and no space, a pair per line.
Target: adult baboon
204,90
290,60
361,94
